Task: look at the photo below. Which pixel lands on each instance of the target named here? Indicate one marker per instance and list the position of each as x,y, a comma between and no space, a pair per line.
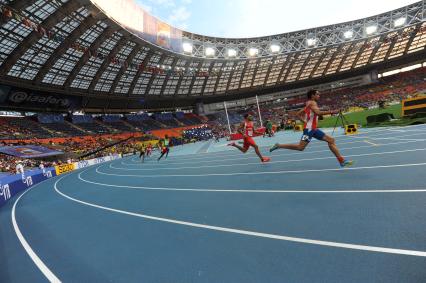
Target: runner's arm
316,110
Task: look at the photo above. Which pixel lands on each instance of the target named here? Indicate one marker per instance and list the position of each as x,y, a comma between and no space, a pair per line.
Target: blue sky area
250,18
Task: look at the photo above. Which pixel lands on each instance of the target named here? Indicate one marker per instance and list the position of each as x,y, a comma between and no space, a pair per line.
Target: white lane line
255,191
373,144
264,173
34,257
231,152
271,162
250,233
285,153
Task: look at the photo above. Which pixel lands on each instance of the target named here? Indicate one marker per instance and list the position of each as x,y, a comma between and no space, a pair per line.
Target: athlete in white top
309,115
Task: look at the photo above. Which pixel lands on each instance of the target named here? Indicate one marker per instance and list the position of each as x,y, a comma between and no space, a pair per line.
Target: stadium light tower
275,48
187,47
400,22
311,42
253,52
232,53
348,34
210,52
370,29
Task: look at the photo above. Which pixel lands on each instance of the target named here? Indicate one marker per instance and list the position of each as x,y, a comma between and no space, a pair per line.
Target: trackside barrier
14,184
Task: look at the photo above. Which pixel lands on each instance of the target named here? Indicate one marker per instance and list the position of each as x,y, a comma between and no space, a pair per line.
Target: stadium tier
84,55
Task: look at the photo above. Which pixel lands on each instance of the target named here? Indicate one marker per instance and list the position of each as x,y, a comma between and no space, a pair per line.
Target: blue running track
209,213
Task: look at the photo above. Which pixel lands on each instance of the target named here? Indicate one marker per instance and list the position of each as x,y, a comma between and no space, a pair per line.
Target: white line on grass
249,233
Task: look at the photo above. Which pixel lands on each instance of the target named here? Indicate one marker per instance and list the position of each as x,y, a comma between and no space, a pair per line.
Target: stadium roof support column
200,64
205,81
392,45
242,74
83,59
181,78
410,41
348,51
296,57
318,63
361,50
218,78
168,74
107,61
34,36
123,69
231,74
154,75
376,48
140,70
332,59
255,72
16,5
74,35
289,60
304,65
269,70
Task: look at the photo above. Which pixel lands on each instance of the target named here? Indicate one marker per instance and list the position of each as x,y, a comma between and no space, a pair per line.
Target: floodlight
311,41
400,22
370,29
210,51
187,47
348,34
253,51
275,48
232,53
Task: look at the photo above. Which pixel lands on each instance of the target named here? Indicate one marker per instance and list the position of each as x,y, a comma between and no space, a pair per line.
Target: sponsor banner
13,184
29,151
94,161
10,96
61,169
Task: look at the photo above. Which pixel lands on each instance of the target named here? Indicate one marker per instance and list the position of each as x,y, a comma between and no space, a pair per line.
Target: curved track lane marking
253,191
34,257
230,152
248,233
271,162
264,173
287,153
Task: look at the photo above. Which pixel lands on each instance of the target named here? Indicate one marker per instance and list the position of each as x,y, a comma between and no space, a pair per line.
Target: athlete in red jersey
247,130
149,150
309,115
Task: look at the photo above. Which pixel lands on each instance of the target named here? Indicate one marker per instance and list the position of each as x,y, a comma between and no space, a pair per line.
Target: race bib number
250,133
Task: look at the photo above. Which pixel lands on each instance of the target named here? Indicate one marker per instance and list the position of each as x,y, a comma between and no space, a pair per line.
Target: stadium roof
111,50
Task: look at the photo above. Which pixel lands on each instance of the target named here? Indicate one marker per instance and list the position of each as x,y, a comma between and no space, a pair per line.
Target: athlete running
164,148
309,115
142,153
247,129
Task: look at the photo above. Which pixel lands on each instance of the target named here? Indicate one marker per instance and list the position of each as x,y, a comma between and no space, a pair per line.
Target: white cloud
267,17
179,17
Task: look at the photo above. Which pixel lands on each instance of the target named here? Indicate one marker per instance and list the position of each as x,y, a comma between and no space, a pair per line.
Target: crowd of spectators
201,133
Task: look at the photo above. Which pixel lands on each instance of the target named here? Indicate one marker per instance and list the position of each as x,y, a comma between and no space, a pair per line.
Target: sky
252,18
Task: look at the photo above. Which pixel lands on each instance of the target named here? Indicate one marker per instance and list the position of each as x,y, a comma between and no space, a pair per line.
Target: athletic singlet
248,129
311,119
166,142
